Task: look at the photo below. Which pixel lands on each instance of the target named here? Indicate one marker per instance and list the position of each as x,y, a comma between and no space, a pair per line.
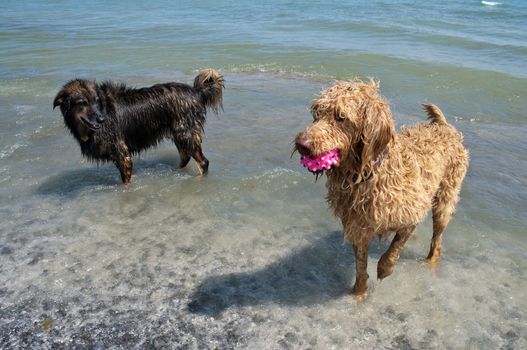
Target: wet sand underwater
246,257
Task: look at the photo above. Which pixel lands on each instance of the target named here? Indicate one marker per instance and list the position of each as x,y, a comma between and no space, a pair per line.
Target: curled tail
210,84
434,114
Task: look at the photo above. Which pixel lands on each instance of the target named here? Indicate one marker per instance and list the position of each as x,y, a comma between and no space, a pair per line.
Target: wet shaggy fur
386,181
112,122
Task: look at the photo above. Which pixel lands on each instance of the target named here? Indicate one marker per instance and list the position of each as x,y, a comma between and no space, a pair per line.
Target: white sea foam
490,3
9,150
24,109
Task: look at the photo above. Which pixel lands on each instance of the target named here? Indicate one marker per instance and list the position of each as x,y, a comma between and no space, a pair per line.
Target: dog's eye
341,116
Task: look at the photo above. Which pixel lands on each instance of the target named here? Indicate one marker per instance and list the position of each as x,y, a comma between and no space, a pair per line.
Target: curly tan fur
399,177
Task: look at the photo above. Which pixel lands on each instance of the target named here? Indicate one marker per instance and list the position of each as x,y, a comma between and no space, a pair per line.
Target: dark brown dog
112,122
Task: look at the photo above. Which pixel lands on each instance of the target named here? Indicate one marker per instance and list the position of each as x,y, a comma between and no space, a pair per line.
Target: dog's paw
432,263
384,268
359,297
359,293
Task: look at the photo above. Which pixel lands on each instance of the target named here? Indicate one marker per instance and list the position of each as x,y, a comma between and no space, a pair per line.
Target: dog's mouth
323,162
92,126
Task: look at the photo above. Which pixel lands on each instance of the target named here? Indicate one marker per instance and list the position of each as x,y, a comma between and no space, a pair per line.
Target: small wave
271,174
490,3
278,70
261,68
9,150
24,109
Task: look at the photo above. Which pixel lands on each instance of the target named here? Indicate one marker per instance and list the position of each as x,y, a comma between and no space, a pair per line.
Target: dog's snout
99,117
303,145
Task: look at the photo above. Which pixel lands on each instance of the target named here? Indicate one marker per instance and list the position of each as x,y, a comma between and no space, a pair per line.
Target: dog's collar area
86,138
357,178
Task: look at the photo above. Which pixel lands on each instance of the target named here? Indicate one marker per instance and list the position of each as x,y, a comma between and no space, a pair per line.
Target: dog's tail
210,84
435,116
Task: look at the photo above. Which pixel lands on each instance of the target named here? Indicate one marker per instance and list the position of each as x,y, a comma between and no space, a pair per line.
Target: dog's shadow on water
70,183
322,271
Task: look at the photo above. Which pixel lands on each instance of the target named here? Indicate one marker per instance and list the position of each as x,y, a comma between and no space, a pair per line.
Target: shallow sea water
250,256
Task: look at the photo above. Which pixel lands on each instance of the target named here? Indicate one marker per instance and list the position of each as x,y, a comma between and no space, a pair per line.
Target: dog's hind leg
124,162
184,157
201,160
444,206
391,255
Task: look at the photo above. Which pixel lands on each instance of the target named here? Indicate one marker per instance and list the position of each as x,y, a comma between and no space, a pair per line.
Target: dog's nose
303,145
100,119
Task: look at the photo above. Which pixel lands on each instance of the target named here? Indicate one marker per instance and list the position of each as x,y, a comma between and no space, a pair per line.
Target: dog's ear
377,131
59,99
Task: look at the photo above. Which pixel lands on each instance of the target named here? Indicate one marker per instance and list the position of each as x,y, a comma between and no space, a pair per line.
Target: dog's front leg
360,247
124,162
389,258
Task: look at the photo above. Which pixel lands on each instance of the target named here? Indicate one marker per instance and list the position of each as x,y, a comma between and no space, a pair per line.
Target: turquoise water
250,256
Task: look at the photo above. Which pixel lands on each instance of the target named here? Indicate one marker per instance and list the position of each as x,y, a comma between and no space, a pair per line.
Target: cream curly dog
380,181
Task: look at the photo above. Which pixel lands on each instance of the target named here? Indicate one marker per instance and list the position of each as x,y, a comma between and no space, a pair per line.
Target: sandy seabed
247,257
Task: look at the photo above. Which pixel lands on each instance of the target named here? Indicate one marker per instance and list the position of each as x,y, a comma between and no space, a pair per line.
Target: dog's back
431,163
437,147
146,116
438,139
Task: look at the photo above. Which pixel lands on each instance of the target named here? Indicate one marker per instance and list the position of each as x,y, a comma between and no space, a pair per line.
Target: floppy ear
377,131
59,99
